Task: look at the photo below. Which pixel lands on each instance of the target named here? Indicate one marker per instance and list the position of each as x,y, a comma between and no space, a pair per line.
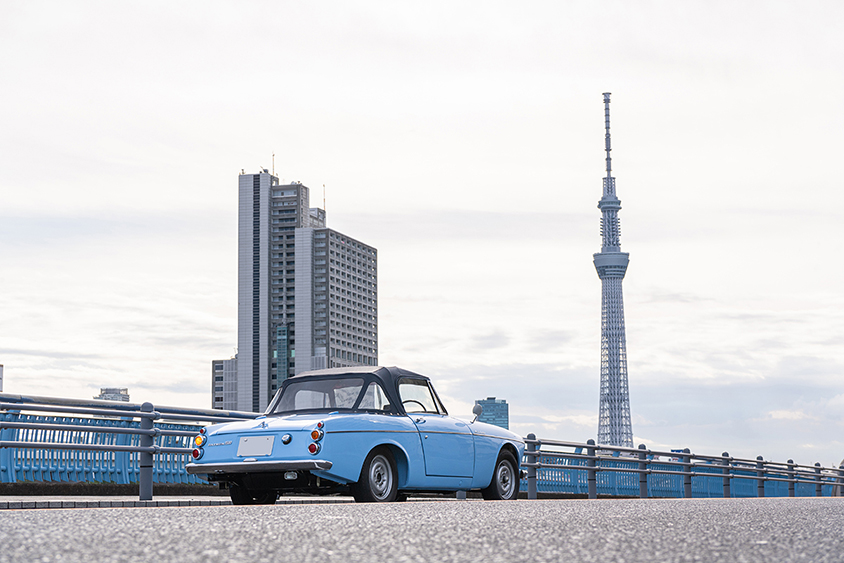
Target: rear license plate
252,446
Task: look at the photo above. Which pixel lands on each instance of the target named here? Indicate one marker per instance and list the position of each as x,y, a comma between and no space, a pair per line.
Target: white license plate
252,446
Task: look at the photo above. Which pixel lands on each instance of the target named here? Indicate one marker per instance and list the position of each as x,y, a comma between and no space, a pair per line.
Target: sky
464,140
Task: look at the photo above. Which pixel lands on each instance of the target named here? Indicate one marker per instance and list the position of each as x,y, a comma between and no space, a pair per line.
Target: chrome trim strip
500,438
258,466
377,431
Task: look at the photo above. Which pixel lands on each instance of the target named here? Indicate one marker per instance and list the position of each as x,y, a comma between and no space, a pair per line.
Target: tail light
200,440
197,453
313,448
316,435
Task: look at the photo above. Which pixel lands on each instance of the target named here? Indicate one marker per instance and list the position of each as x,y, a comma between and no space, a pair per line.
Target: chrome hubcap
380,477
504,478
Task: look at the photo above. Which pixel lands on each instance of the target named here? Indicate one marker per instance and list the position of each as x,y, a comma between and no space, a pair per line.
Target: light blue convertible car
378,433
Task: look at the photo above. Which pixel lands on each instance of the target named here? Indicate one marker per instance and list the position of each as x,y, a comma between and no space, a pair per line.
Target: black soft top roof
387,376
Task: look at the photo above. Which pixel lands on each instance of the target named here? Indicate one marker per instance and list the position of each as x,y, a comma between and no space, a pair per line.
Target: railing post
840,487
592,473
791,476
7,455
531,471
818,491
726,472
145,477
643,477
687,473
760,474
838,490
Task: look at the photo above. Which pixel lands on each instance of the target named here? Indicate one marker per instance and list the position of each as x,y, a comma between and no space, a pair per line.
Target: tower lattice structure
614,427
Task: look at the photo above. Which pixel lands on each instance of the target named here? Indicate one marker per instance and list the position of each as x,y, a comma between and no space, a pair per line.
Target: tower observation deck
614,427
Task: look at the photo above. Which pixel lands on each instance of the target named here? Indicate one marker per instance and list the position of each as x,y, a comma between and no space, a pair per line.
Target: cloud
490,341
54,354
550,340
450,225
788,415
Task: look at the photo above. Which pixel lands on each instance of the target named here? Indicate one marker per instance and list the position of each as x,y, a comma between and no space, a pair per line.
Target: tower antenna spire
274,153
607,145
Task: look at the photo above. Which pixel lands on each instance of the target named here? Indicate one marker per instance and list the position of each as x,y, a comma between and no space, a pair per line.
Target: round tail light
196,453
316,435
200,440
313,448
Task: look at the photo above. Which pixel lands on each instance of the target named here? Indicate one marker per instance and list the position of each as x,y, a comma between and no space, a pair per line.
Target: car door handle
420,420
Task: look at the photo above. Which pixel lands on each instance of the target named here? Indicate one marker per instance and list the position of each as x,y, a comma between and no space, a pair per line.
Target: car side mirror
477,410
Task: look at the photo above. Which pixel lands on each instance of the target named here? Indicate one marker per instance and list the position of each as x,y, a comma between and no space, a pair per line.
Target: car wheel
505,479
378,478
241,495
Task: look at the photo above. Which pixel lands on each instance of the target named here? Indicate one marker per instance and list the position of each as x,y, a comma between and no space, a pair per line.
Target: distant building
113,394
224,384
496,411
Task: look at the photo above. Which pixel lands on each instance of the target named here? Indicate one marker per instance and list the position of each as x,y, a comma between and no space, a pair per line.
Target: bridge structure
48,439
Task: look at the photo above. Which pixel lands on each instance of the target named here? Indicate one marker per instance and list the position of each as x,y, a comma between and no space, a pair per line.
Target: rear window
320,394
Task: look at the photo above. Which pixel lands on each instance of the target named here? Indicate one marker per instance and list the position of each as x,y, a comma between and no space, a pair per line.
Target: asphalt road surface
769,530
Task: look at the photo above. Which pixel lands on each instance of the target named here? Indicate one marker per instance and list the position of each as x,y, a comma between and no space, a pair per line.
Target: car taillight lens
200,440
202,430
317,435
313,448
197,453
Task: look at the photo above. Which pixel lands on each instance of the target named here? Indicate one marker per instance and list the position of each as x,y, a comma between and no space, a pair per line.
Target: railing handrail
31,402
622,449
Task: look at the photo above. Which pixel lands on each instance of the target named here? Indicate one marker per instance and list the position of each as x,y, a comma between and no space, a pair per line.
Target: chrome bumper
258,466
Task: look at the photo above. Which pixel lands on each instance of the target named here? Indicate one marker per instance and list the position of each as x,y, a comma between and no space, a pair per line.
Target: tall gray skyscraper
307,294
614,427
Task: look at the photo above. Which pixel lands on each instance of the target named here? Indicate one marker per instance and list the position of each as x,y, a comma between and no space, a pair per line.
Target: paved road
769,530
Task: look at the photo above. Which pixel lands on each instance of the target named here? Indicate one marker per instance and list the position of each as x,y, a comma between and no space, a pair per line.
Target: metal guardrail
657,477
59,439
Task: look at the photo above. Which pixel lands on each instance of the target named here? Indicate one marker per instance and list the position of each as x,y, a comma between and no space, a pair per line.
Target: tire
241,495
378,478
505,479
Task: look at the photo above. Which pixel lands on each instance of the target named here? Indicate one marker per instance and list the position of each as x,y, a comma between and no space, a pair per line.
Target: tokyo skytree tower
614,428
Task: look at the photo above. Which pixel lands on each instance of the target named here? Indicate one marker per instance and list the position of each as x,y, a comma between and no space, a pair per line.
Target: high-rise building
614,427
307,294
114,394
496,411
224,384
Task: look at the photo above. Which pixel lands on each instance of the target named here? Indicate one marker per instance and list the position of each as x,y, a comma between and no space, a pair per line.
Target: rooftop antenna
607,136
323,197
273,163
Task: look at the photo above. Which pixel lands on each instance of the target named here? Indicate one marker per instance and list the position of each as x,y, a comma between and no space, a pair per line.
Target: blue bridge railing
593,470
51,439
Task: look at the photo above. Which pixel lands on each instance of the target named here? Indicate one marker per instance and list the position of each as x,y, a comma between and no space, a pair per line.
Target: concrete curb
65,504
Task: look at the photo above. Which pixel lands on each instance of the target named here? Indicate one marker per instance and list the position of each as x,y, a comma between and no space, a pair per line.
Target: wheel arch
401,459
511,449
508,447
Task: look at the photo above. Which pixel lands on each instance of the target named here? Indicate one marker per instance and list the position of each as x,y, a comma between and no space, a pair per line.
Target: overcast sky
464,140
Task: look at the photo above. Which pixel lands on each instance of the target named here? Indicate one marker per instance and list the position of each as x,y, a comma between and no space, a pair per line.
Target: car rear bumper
259,466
